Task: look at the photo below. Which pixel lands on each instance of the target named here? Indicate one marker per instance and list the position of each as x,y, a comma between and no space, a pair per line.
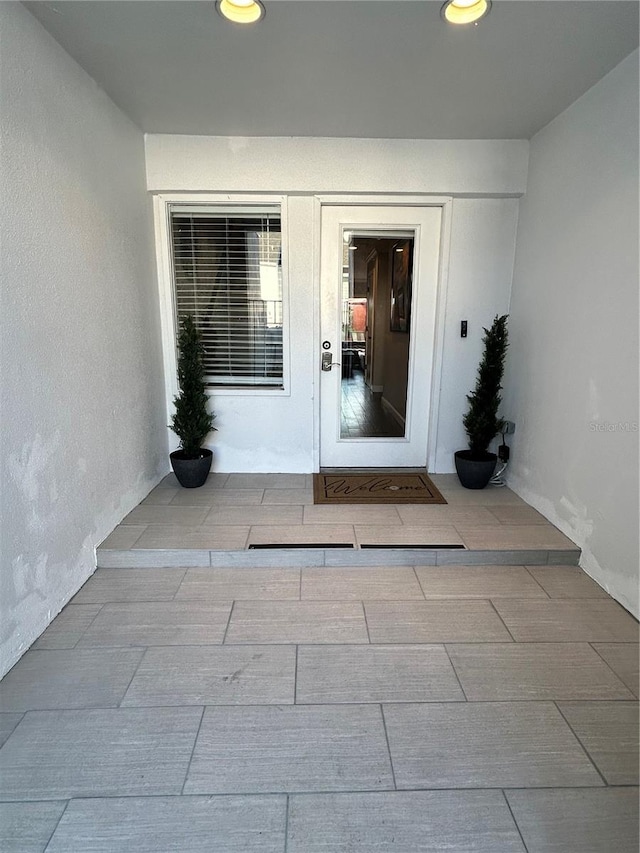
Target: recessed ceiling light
465,11
241,11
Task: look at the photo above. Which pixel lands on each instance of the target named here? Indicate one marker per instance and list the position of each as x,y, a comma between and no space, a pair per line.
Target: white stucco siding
278,432
572,379
484,167
83,432
480,269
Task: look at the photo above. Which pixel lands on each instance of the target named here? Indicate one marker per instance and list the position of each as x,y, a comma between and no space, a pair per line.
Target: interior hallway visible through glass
363,415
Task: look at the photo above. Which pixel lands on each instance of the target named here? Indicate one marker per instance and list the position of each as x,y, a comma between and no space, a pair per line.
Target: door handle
328,362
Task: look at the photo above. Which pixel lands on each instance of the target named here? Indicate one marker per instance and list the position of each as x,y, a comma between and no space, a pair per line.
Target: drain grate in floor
289,545
421,547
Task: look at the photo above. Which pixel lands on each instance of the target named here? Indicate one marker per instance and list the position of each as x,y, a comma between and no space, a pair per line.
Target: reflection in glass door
376,334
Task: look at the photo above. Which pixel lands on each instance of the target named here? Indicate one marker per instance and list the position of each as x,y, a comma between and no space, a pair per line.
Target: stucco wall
572,382
484,177
83,432
483,167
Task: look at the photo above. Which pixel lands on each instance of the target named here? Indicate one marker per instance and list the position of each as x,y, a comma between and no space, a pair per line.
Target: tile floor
233,512
325,710
362,413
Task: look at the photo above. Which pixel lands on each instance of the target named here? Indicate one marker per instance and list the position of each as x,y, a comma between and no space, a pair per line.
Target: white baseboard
390,410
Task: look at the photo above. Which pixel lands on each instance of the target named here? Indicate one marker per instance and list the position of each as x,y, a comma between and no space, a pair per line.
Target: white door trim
445,203
438,344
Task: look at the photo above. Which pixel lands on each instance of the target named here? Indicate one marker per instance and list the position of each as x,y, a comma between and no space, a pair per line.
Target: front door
379,275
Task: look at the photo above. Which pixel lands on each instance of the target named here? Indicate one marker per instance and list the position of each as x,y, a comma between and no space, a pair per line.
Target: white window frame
161,212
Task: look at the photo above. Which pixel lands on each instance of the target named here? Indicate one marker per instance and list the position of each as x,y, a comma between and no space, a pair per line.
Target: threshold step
414,547
318,555
288,547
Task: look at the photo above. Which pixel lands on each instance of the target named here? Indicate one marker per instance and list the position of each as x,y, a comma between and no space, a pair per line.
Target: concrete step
314,556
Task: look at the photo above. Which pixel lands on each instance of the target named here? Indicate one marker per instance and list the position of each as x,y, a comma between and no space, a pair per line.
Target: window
227,273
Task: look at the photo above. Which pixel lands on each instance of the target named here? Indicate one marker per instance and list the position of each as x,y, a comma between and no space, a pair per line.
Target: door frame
445,203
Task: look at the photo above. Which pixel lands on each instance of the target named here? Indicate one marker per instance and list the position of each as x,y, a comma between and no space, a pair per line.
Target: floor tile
215,480
434,516
370,558
586,620
274,558
215,497
300,497
478,582
290,748
130,585
514,536
124,751
491,558
555,557
434,622
517,515
150,514
566,557
340,674
160,496
566,582
124,536
266,481
578,821
8,722
154,558
524,671
168,824
351,514
27,827
623,660
222,584
404,535
211,537
609,733
265,515
68,626
485,745
158,623
491,496
402,822
302,534
168,482
451,482
297,622
227,675
345,584
69,678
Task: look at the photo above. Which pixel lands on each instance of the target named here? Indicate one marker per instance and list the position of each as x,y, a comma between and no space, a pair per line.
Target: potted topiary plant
192,422
476,465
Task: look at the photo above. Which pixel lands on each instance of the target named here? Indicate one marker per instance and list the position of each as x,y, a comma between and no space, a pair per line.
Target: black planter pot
474,472
191,473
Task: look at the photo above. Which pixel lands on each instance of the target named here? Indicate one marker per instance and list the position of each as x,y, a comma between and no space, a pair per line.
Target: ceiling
352,68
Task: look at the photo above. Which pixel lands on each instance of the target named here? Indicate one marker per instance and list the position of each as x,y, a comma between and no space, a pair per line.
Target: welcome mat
387,488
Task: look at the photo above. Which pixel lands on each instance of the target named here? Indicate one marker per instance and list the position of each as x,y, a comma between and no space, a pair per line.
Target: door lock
327,361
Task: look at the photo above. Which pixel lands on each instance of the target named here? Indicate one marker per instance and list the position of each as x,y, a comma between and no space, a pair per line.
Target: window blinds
227,272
